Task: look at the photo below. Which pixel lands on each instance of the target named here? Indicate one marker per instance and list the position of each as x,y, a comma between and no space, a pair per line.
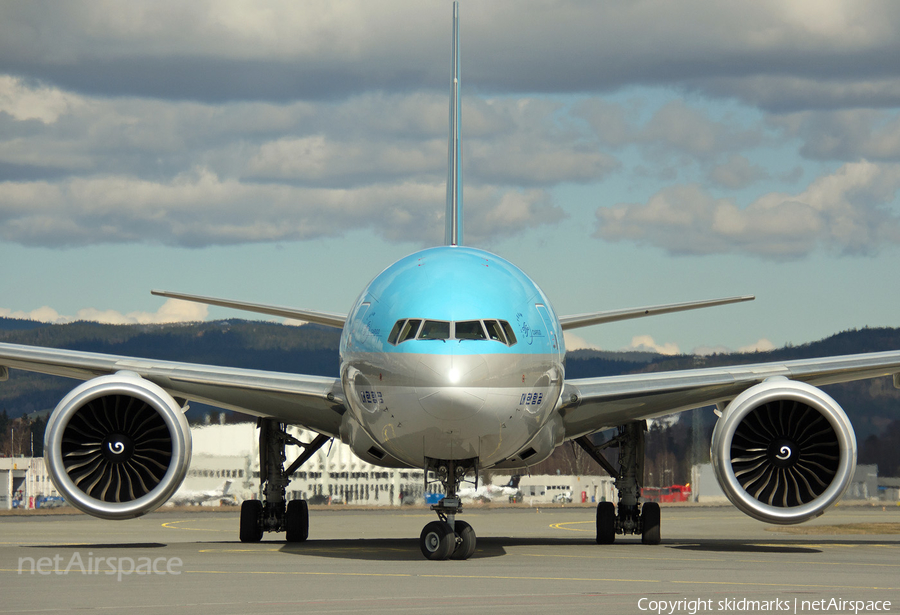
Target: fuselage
452,353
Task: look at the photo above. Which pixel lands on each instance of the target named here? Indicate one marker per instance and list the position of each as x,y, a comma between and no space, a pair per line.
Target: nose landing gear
448,538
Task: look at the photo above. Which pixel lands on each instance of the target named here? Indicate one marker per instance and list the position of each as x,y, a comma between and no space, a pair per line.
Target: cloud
171,311
843,211
836,88
376,137
778,55
762,345
573,342
319,160
844,135
675,128
509,213
41,314
41,103
208,125
201,209
645,343
737,172
680,128
194,174
676,136
614,124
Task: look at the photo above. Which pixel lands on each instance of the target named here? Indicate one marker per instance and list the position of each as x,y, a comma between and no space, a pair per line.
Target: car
51,501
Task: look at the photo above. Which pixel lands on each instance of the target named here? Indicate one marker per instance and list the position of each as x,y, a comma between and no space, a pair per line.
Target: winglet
453,235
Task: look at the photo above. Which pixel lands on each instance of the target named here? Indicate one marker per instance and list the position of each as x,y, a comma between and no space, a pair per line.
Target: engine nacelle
117,446
783,451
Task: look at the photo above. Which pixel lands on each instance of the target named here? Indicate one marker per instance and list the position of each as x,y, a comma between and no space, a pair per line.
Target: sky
623,154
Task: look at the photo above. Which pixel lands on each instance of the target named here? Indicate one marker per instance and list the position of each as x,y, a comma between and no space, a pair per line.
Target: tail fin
453,235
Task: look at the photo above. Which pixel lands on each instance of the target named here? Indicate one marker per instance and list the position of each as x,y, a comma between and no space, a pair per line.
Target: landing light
453,376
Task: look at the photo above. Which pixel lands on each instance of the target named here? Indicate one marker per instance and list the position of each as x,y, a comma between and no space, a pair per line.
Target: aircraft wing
591,404
596,318
315,402
328,319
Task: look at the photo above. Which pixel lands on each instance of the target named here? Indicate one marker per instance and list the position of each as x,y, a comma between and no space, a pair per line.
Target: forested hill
310,349
313,349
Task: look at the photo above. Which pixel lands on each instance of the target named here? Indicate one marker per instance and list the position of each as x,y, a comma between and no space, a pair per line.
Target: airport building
865,485
22,479
229,454
336,475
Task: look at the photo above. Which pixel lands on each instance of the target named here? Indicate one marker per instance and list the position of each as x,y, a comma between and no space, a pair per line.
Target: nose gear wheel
448,538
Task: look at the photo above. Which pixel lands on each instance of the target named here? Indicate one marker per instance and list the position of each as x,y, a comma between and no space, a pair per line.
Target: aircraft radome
452,360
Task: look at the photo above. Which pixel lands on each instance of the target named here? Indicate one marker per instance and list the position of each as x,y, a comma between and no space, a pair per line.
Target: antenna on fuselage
453,235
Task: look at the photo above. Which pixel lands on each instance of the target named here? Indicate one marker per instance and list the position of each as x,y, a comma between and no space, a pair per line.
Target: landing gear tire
251,514
437,540
465,547
650,518
606,523
296,521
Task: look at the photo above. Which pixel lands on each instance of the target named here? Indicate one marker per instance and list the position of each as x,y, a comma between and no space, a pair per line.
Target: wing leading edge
596,318
591,404
314,402
320,318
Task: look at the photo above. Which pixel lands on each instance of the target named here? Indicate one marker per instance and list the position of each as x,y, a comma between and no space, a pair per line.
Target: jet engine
117,446
783,451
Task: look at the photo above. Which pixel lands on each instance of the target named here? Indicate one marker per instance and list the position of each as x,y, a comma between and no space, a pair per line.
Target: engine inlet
116,448
784,453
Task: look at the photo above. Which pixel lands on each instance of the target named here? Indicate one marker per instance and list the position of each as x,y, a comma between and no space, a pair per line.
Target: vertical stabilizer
453,235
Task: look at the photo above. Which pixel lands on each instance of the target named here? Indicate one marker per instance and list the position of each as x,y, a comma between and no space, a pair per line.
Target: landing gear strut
448,538
269,513
631,517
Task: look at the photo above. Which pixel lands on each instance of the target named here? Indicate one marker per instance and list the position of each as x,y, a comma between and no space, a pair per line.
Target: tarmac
712,559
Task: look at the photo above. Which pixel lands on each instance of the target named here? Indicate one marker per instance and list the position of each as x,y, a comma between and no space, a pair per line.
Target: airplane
488,492
184,497
452,360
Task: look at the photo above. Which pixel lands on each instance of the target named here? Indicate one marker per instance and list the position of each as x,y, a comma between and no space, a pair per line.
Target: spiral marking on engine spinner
118,449
784,451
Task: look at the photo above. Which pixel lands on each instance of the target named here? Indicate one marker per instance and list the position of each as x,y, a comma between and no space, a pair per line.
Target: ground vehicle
672,493
51,501
563,498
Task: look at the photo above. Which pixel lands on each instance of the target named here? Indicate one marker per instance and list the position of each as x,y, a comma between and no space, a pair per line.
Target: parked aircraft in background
452,360
185,497
489,492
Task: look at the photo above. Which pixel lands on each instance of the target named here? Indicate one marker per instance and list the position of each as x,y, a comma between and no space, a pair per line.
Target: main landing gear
448,538
631,517
269,513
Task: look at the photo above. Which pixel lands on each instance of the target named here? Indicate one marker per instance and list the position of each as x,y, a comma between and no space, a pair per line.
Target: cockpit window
495,331
435,330
409,330
417,328
510,334
470,330
395,332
